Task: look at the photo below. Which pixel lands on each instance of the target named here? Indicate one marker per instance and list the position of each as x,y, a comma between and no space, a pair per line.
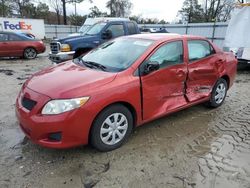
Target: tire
110,139
218,94
30,53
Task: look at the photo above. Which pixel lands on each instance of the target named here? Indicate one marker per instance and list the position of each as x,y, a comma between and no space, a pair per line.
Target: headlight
60,106
65,48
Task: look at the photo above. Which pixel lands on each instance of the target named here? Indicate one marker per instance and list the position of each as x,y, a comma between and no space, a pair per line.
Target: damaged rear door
164,89
202,69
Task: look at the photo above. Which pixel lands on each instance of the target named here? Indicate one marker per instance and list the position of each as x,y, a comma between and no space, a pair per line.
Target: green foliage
95,12
77,19
138,19
5,8
192,12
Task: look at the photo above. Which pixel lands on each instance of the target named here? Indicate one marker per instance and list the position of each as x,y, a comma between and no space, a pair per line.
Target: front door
203,68
163,90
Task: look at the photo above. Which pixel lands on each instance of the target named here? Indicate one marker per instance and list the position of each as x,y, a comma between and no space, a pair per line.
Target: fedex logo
19,26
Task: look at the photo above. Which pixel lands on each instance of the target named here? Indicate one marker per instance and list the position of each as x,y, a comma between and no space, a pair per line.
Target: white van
243,55
91,21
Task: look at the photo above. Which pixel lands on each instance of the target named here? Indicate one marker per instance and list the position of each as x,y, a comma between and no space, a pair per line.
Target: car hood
72,39
68,80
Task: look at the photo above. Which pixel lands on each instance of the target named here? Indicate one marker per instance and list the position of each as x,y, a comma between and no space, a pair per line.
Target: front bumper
61,56
72,127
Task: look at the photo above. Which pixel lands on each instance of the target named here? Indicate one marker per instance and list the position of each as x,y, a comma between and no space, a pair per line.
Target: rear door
163,90
16,45
202,69
4,44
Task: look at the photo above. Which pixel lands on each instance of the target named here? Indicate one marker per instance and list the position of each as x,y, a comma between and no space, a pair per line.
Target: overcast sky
161,9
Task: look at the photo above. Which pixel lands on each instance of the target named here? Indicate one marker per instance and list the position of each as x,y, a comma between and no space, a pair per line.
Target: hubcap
30,53
114,128
220,93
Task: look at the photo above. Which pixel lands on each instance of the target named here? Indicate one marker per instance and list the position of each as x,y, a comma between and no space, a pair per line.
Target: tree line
196,11
55,11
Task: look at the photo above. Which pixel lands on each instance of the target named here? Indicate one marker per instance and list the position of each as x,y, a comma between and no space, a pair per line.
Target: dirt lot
197,147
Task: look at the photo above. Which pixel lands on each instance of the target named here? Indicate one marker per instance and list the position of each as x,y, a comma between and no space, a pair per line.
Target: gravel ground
196,147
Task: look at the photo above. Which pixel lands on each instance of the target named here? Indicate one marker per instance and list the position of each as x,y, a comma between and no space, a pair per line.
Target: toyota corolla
101,97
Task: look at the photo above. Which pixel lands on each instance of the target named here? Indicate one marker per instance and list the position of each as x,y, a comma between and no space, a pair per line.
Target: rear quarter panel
230,65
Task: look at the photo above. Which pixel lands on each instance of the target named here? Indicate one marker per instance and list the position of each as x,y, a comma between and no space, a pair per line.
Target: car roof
163,36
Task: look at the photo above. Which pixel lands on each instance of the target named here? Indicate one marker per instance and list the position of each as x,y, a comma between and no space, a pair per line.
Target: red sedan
20,45
100,97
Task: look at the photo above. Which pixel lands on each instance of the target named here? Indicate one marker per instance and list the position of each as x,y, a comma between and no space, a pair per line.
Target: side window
3,37
198,49
169,54
117,30
131,28
14,38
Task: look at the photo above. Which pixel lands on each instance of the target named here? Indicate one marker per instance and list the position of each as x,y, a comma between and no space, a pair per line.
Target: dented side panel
163,91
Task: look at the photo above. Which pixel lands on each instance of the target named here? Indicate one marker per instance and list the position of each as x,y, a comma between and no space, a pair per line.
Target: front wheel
218,94
29,53
111,128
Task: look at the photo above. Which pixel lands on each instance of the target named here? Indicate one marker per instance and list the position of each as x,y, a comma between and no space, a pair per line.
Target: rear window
13,37
132,28
198,49
3,37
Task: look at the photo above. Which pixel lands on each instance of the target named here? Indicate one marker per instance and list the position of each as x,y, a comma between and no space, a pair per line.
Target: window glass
169,54
95,29
198,49
3,37
14,37
118,54
117,30
131,28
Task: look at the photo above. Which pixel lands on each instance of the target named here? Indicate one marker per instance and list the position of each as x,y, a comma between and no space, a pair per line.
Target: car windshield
117,55
95,29
84,29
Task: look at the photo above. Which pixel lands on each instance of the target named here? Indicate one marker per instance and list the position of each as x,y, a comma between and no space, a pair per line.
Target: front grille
54,47
28,103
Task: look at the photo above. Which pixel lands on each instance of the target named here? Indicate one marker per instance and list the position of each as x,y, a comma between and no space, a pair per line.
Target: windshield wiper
94,64
91,64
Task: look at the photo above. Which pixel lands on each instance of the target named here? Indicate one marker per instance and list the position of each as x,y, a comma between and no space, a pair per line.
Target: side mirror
151,66
107,34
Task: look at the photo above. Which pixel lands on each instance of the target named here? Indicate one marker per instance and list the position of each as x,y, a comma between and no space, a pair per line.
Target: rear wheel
218,94
111,128
29,53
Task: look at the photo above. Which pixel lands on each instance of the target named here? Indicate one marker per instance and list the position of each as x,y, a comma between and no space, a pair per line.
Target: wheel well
226,77
29,47
127,105
80,51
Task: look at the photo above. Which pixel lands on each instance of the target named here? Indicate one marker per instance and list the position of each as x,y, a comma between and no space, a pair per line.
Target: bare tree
57,7
119,8
219,10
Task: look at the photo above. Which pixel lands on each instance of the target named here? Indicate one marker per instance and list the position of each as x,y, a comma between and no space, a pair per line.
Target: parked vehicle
100,97
243,56
73,47
153,30
89,22
19,45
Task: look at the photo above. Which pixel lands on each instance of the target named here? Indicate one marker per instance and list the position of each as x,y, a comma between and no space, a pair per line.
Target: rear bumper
244,61
61,56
